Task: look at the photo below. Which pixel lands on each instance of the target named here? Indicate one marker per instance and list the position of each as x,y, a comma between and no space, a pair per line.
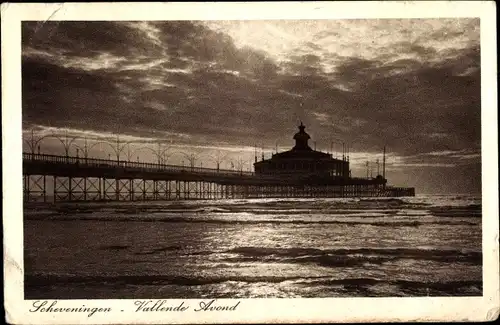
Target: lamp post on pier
218,158
66,141
240,163
161,154
86,147
34,142
191,157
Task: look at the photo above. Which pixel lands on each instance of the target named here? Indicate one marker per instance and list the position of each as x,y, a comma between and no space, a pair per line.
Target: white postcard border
249,310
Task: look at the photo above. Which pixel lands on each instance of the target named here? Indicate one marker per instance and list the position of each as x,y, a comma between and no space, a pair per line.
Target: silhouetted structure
299,172
303,162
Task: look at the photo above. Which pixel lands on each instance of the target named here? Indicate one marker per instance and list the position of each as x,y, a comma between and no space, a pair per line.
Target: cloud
412,85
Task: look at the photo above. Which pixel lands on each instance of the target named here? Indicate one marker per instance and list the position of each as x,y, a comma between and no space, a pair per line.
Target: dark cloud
85,39
54,95
404,107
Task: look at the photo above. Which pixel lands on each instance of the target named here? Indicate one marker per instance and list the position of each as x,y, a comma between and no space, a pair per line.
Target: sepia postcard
250,162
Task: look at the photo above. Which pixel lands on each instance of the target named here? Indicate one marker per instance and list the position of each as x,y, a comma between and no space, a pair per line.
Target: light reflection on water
255,248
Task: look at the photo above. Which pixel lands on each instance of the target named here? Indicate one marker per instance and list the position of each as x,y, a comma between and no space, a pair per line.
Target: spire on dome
301,139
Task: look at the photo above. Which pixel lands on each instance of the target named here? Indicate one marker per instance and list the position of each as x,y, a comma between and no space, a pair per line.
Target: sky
208,91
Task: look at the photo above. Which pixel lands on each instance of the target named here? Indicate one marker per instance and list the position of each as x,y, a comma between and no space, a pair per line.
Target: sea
428,245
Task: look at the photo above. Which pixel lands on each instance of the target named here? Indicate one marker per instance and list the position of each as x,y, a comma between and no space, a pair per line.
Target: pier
55,178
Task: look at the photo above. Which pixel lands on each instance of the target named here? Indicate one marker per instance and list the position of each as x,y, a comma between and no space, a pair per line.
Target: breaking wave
175,211
351,257
223,218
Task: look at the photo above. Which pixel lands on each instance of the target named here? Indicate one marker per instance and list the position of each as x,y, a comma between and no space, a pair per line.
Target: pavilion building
303,162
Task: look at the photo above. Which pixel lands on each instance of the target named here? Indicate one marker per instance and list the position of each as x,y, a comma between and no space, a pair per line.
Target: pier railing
146,166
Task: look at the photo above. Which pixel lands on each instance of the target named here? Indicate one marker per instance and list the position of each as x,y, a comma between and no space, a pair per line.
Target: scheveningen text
44,306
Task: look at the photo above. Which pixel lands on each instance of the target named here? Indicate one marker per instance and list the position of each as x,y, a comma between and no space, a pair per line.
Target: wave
115,247
362,286
322,257
366,207
159,250
350,285
350,257
398,282
34,280
236,219
471,210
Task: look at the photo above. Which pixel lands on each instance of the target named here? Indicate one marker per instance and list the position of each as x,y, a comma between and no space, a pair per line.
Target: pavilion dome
301,138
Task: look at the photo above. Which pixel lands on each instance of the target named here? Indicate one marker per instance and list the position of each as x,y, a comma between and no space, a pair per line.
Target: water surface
377,247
